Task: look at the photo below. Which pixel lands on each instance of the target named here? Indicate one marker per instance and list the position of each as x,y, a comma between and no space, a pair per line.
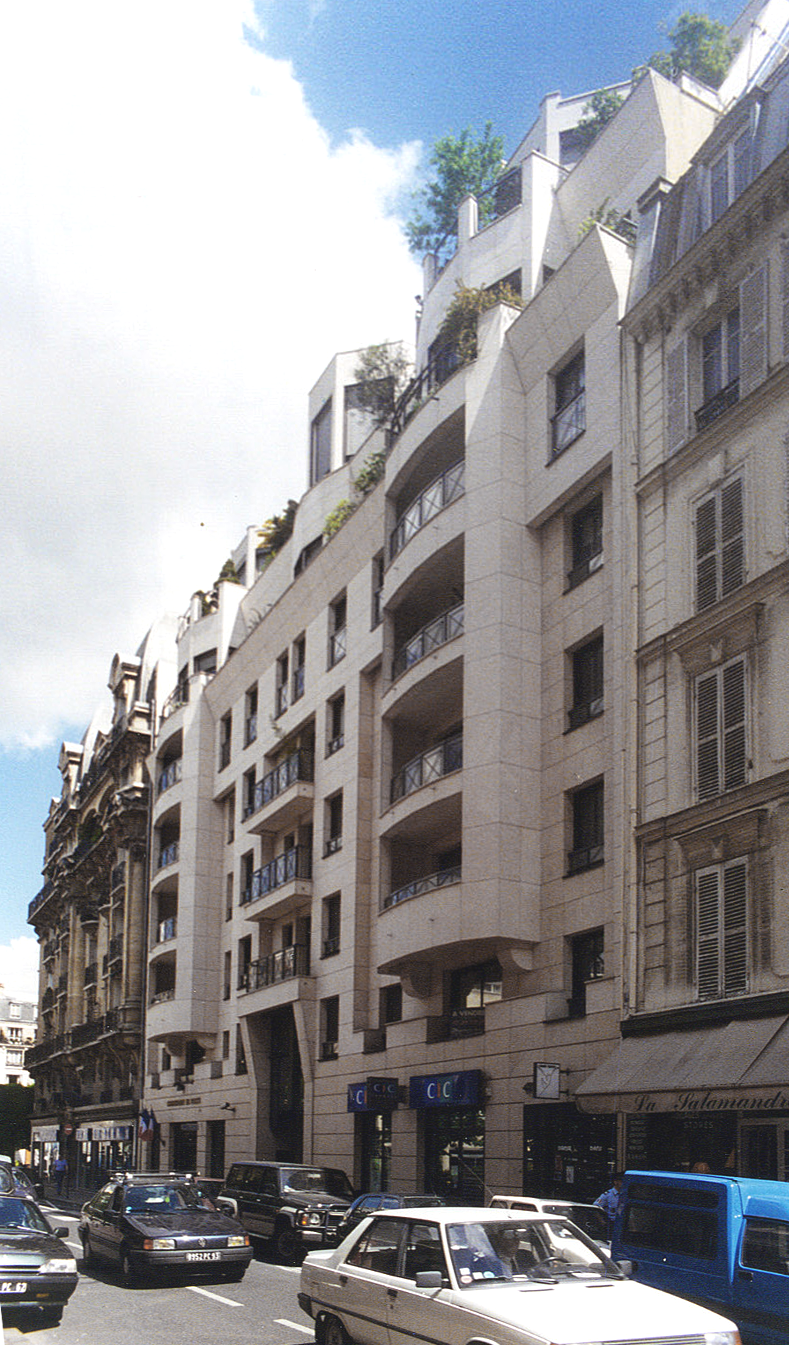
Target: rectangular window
251,716
586,542
569,419
333,825
587,964
229,897
587,823
244,959
330,1027
226,978
721,729
331,926
390,1004
299,663
335,724
720,544
320,444
378,585
587,687
730,174
230,816
281,685
225,734
720,369
722,930
470,990
249,793
338,617
247,872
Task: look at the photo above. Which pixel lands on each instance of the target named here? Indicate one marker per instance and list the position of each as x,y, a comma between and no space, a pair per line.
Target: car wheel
285,1242
334,1332
128,1271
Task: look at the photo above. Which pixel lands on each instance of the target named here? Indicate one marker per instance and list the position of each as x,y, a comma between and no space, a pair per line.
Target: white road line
76,1245
294,1326
219,1298
294,1270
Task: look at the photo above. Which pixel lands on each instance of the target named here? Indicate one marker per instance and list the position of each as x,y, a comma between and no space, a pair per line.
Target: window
335,724
338,616
729,174
230,817
330,1027
721,762
229,897
281,685
251,716
722,930
226,1045
765,1245
390,1006
378,586
331,926
569,419
720,369
587,816
720,545
587,964
247,871
299,660
586,541
320,444
333,825
470,990
249,793
225,733
241,1055
226,981
244,960
206,663
587,687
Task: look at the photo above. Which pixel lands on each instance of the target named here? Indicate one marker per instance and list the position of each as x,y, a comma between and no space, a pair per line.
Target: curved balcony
166,930
284,794
419,886
436,633
437,496
169,776
282,885
428,767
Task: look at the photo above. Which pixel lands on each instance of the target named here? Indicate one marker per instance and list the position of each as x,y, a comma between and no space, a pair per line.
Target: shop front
451,1119
99,1150
372,1102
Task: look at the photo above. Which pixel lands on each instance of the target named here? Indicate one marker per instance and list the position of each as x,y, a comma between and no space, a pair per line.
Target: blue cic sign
446,1090
373,1094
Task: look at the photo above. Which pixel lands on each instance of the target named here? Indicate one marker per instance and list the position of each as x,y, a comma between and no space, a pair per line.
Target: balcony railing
418,888
167,929
300,765
168,855
39,899
435,373
284,965
437,496
431,637
286,868
715,406
162,996
569,423
585,857
169,776
432,765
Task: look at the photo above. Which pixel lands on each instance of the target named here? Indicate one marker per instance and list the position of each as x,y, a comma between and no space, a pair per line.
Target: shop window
722,930
471,989
330,1027
587,964
330,944
720,544
335,724
333,825
281,685
721,737
299,661
320,444
587,827
569,418
587,683
251,715
585,541
338,617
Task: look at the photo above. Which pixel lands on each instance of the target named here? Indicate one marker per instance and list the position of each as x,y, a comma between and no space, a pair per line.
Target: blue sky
158,254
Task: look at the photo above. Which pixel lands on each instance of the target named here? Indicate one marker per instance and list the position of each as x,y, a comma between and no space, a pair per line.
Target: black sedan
36,1270
158,1223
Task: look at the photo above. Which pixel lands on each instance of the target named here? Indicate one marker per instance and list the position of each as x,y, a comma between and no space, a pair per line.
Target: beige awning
738,1066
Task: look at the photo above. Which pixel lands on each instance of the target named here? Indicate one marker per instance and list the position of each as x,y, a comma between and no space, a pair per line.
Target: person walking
611,1199
61,1172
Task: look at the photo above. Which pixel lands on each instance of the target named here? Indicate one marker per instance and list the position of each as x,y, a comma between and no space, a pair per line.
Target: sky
202,202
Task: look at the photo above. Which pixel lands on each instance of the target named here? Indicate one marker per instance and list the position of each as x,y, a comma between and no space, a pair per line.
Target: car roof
468,1214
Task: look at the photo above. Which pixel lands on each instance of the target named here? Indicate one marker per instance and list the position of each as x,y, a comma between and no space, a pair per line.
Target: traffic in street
263,1307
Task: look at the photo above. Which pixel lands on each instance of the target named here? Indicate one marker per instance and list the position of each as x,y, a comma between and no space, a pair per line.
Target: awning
740,1066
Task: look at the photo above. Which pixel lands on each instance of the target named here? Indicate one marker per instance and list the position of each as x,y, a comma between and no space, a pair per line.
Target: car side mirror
227,1206
429,1279
61,1232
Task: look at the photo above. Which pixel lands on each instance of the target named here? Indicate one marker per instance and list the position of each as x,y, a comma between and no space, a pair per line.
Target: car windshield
331,1180
160,1199
539,1249
21,1214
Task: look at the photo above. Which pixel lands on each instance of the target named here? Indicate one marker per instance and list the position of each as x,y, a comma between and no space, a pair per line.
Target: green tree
462,166
699,47
381,375
597,113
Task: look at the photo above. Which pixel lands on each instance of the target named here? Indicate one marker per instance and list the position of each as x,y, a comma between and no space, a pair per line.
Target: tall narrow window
720,544
721,729
587,684
331,926
378,586
281,685
299,663
338,617
251,716
722,930
720,369
569,420
330,1027
333,824
587,822
586,541
225,734
335,724
320,444
587,964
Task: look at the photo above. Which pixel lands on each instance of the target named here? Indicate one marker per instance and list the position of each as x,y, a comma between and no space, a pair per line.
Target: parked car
208,1187
381,1200
721,1241
156,1222
447,1275
14,1180
293,1204
590,1218
37,1273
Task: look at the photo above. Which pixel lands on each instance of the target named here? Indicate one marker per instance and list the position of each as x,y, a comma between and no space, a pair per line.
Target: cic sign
373,1094
446,1090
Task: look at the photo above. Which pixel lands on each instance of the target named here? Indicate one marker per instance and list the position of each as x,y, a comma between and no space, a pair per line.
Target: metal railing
418,888
715,406
284,965
286,868
568,423
168,855
444,759
167,929
432,636
169,776
300,765
435,373
338,645
437,496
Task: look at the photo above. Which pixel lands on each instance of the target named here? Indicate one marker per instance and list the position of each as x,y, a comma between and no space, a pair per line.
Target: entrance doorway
183,1145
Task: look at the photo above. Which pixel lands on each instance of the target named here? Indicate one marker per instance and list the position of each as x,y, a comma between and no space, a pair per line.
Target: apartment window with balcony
281,685
587,963
585,538
249,792
338,618
471,989
330,1027
721,729
247,872
720,544
333,841
225,734
230,817
587,683
390,1004
229,896
721,913
330,943
244,960
378,586
569,390
251,715
320,444
227,974
335,724
299,661
587,828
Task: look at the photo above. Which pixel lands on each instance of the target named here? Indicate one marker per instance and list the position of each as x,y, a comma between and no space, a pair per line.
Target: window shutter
706,554
735,929
707,934
707,772
753,330
732,548
734,763
676,396
785,297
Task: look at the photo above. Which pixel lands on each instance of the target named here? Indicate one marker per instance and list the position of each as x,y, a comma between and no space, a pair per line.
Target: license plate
13,1287
203,1256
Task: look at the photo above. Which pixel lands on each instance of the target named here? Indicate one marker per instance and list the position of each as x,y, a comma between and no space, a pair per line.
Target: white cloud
19,969
181,252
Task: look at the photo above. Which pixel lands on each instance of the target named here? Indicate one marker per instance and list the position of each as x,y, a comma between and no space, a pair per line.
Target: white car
464,1276
590,1218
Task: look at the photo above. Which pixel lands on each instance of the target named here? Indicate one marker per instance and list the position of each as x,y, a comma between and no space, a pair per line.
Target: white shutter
707,934
707,767
753,330
707,553
677,396
732,538
735,929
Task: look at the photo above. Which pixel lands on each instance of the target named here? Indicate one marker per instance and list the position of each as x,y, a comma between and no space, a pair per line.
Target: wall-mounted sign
463,1089
374,1094
546,1080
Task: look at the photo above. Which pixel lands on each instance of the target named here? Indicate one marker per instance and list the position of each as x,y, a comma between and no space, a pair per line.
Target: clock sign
546,1080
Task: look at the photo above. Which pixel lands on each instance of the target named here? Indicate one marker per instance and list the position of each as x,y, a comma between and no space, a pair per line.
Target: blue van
721,1241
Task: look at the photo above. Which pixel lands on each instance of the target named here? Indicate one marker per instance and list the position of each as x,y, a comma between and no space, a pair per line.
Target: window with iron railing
299,766
294,864
569,419
442,492
443,759
417,887
587,683
431,637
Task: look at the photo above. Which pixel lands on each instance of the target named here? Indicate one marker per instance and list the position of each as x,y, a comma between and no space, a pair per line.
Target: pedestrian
61,1172
611,1199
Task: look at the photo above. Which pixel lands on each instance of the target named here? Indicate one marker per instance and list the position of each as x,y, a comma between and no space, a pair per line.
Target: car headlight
238,1241
159,1244
62,1265
309,1219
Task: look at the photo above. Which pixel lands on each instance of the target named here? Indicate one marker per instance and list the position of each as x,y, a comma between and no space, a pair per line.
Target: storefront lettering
700,1100
445,1090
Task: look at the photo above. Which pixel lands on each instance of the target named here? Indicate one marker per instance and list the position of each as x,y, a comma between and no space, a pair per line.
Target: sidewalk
70,1201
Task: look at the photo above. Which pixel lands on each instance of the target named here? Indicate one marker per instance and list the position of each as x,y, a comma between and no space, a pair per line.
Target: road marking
219,1298
76,1245
294,1326
293,1270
